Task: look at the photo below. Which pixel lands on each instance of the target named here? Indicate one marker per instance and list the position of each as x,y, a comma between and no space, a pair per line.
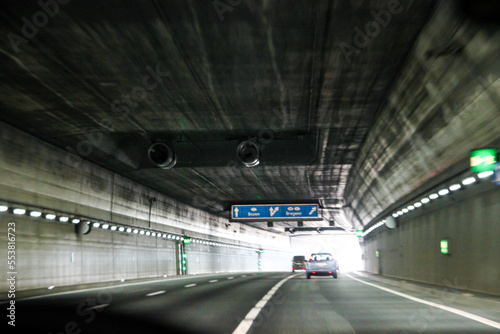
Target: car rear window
321,257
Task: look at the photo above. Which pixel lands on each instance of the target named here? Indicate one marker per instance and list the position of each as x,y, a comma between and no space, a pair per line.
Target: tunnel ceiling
105,79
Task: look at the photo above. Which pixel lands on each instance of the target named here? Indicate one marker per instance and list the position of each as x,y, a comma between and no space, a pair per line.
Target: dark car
299,263
321,264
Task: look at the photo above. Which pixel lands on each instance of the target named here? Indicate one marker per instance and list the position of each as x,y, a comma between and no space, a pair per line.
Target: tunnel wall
40,175
51,254
442,105
412,251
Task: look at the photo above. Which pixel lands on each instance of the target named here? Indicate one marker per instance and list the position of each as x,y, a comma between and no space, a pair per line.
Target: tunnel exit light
483,160
445,247
187,240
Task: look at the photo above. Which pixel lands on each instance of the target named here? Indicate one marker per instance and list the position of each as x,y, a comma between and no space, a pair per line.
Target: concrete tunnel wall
51,253
469,220
438,109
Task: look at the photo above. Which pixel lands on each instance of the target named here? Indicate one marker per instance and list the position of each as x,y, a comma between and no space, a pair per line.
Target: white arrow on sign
236,212
272,212
312,210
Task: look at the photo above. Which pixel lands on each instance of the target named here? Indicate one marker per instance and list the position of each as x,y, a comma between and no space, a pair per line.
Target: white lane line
105,288
155,293
246,323
230,277
96,307
189,285
243,275
213,281
471,316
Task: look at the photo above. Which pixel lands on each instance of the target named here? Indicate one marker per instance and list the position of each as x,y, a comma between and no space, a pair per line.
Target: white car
321,264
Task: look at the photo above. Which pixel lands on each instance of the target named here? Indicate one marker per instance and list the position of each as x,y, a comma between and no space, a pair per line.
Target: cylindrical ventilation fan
248,153
162,155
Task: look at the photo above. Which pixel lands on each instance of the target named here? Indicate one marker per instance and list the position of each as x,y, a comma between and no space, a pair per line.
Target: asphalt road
241,302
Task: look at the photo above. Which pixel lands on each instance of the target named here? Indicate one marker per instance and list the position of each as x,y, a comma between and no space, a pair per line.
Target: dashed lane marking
155,293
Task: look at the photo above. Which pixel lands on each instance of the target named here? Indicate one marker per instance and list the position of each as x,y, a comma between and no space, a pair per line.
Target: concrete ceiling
105,79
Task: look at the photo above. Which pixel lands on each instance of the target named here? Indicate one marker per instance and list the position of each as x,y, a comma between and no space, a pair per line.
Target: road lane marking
155,293
230,277
96,307
104,288
189,285
243,275
213,281
246,323
471,316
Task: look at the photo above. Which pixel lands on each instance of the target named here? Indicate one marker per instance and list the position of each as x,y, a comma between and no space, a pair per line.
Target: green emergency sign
483,160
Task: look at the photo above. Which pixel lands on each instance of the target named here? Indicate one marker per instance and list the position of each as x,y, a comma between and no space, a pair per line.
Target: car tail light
304,268
330,272
314,272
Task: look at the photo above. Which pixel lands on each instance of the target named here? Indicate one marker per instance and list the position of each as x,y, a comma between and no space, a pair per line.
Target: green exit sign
483,160
444,246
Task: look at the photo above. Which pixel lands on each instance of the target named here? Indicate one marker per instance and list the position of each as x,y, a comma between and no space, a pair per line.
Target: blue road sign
497,174
270,212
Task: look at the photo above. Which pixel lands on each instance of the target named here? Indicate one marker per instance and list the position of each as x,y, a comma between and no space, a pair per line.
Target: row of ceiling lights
433,196
116,227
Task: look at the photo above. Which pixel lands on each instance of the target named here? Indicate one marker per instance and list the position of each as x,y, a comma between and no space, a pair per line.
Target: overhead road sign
274,212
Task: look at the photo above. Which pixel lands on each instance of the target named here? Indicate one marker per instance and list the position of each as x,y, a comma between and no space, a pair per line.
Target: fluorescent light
19,211
405,210
158,235
177,238
50,287
483,175
141,232
113,228
425,200
148,233
121,229
75,221
96,224
169,236
395,215
153,234
136,231
469,180
400,213
433,196
3,208
35,213
129,230
63,219
411,207
443,192
50,216
455,187
164,235
105,226
417,205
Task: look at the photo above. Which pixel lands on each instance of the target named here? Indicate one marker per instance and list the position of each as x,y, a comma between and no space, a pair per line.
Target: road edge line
468,315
